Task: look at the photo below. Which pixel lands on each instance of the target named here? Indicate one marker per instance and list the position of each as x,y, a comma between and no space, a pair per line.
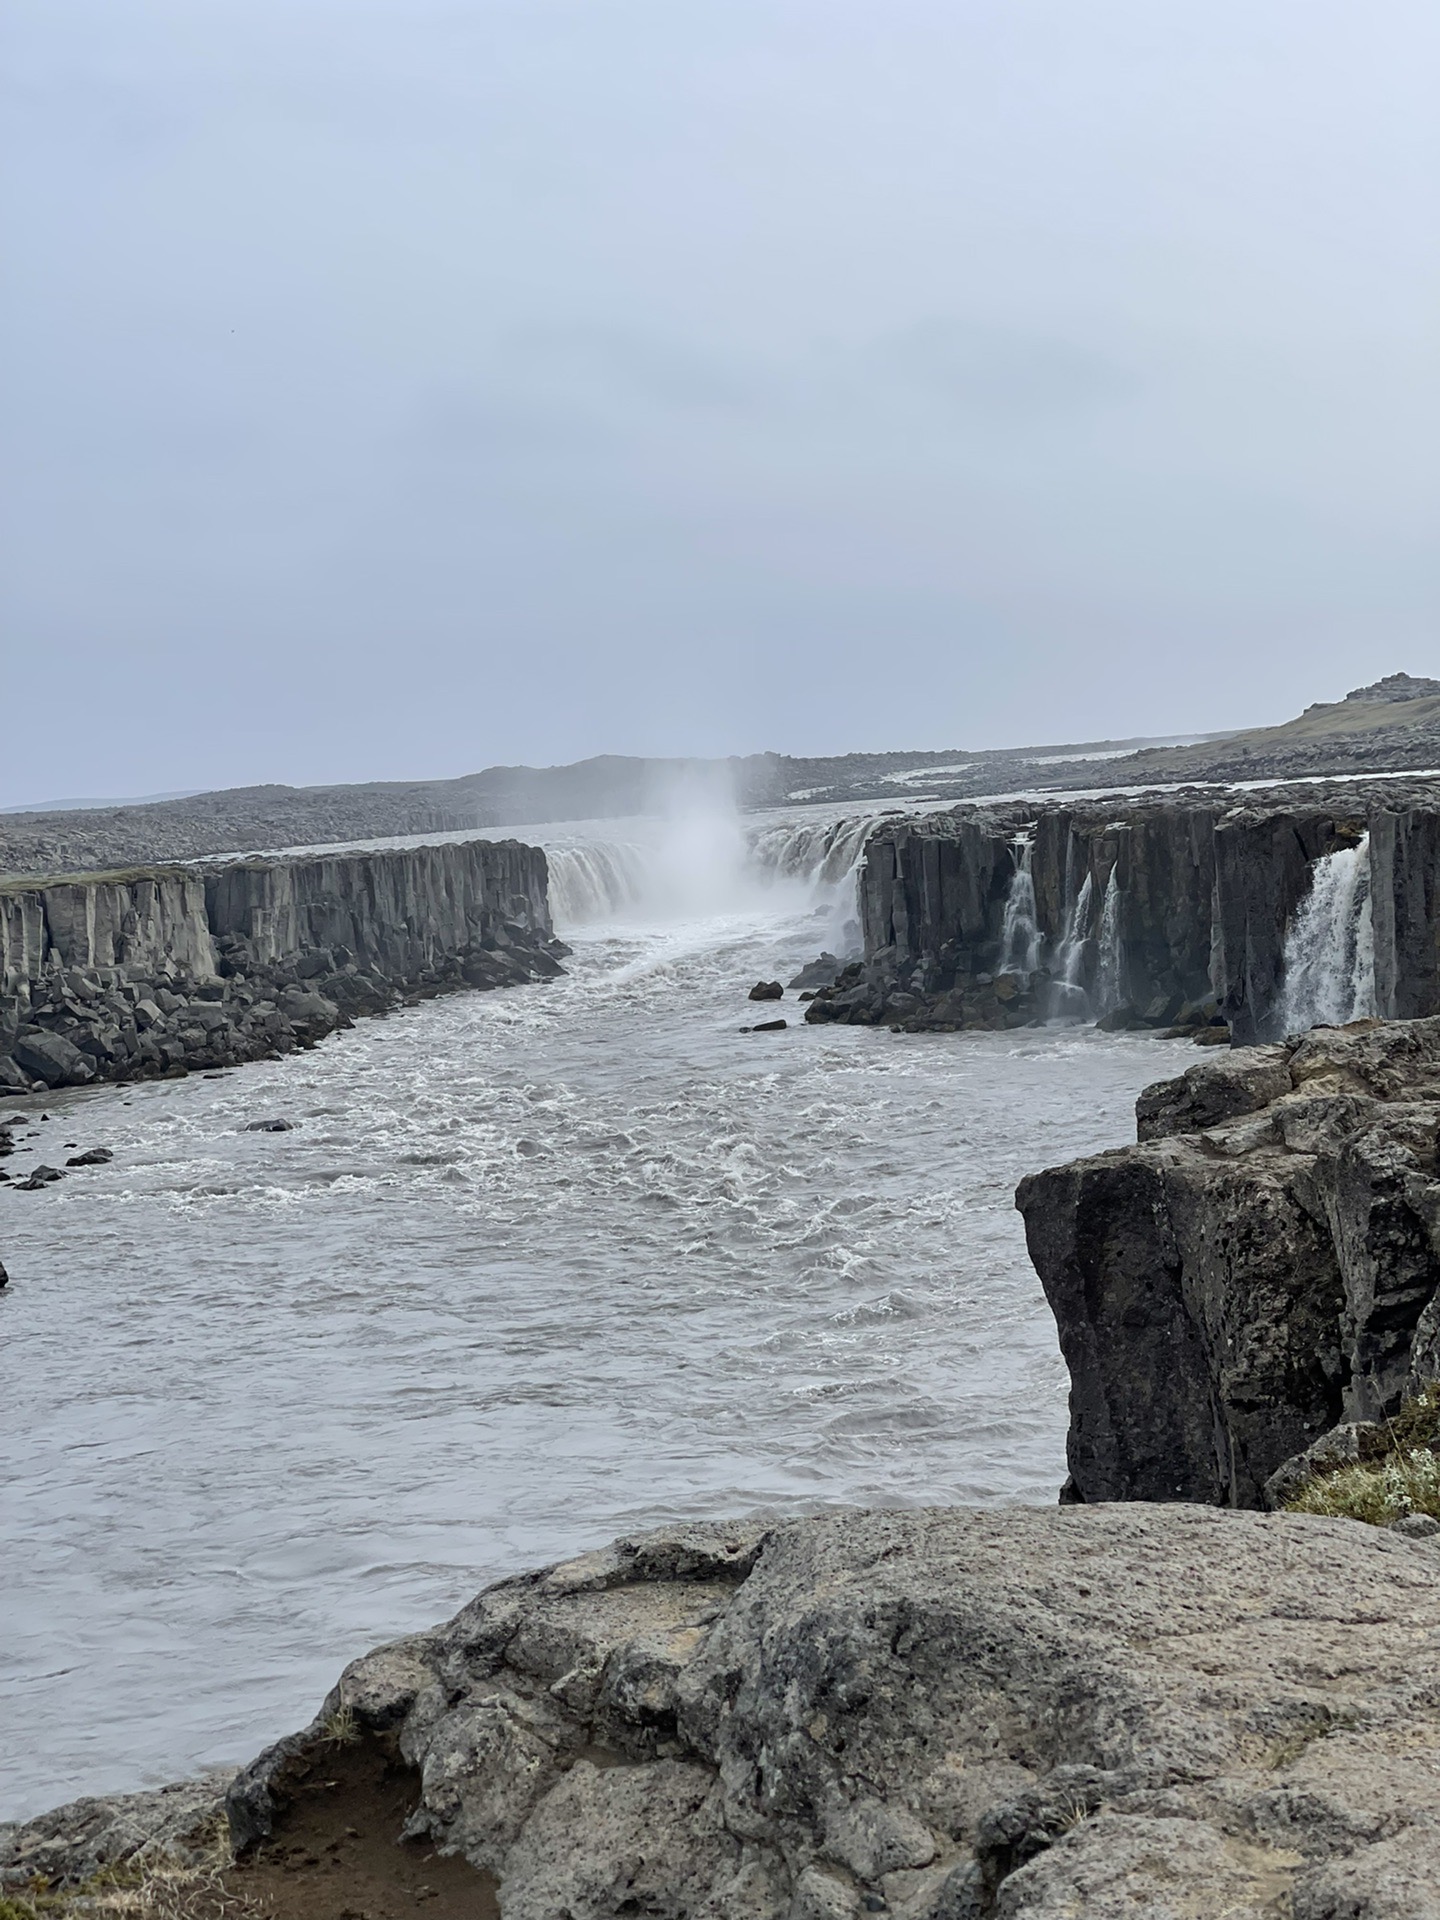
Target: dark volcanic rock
51,1058
270,1126
41,1177
92,1157
1159,911
1261,1269
767,990
943,1714
821,972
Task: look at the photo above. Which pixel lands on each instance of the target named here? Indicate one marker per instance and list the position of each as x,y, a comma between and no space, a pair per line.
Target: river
530,1268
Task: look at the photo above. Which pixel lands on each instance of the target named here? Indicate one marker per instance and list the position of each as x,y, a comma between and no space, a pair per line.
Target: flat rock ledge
943,1714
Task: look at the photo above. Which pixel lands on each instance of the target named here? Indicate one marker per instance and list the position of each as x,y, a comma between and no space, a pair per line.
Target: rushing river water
531,1268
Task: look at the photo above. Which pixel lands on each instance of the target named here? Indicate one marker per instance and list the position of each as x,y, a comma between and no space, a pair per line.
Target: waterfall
1111,984
594,880
826,852
1020,931
1069,996
1330,945
708,862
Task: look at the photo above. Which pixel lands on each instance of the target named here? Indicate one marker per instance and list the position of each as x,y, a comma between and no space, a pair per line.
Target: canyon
1165,1695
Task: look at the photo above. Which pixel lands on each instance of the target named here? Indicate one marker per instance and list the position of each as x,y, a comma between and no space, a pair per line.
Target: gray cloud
394,386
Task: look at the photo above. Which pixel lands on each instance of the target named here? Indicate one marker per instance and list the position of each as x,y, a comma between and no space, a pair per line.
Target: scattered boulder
51,1058
767,990
270,1126
41,1177
92,1157
4,1276
768,1026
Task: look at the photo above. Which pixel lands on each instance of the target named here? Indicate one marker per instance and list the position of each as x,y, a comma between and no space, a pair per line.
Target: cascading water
1020,929
1070,1000
1330,945
704,861
594,882
1111,986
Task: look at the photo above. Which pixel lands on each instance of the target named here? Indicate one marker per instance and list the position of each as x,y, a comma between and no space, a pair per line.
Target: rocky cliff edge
1261,1267
943,1714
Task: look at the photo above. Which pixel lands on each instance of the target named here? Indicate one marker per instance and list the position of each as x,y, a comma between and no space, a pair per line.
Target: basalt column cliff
117,976
1232,919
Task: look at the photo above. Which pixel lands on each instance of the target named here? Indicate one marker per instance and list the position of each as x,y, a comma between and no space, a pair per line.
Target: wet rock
821,972
4,1276
41,1177
767,990
768,1026
269,1126
1258,1278
92,1157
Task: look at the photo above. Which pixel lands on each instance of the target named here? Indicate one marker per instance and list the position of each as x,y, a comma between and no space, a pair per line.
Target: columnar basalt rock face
146,973
942,1714
1262,1266
1157,910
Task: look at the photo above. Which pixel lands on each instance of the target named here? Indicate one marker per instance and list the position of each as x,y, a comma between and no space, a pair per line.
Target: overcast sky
394,387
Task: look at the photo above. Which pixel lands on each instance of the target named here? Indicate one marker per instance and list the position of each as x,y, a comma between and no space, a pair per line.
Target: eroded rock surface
945,1714
1260,1269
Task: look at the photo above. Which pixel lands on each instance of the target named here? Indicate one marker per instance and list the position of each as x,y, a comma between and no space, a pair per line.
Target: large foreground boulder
1121,1713
1262,1267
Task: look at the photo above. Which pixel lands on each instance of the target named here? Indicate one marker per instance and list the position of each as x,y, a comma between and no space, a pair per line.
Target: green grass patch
1398,1472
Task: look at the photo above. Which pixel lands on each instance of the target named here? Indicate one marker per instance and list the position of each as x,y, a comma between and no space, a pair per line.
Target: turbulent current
531,1267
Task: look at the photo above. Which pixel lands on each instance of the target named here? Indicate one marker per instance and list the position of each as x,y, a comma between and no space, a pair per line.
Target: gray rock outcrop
126,975
1262,1267
1130,1713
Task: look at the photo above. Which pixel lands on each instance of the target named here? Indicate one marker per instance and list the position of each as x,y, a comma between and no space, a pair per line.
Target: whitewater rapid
531,1268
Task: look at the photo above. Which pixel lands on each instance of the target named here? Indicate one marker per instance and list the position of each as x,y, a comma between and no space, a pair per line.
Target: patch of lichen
1398,1472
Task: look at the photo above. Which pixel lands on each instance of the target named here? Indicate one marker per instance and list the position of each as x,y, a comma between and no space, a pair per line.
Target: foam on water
535,1266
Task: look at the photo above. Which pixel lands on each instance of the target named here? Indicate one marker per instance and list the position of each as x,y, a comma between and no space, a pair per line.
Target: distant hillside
1390,726
1393,725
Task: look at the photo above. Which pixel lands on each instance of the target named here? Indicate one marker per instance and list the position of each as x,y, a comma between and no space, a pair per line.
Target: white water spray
702,861
1330,945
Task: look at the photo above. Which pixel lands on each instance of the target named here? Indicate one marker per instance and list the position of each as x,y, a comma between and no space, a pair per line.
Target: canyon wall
130,974
1262,1267
1169,911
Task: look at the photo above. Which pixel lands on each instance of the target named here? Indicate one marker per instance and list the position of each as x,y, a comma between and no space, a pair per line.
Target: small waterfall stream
1020,930
1111,984
1070,1000
1330,945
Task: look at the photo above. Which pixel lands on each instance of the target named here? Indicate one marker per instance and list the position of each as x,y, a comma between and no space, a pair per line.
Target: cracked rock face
941,1715
1263,1266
